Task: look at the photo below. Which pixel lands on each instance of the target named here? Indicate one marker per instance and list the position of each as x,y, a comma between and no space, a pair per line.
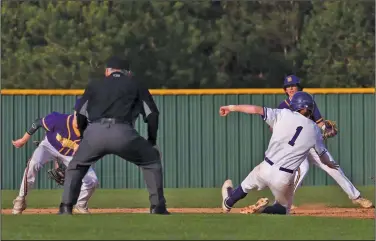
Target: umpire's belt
110,121
281,168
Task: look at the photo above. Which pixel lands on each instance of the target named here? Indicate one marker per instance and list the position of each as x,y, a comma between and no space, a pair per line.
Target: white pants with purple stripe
45,153
280,183
338,175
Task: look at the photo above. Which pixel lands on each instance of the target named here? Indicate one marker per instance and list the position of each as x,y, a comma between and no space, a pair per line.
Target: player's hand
19,143
224,110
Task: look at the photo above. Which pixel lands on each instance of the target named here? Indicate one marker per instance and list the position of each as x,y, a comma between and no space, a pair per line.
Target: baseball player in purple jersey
292,85
60,143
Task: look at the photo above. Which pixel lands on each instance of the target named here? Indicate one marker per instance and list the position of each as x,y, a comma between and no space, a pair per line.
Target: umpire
112,106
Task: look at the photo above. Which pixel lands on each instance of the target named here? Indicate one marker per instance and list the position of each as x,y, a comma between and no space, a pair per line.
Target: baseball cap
116,62
291,80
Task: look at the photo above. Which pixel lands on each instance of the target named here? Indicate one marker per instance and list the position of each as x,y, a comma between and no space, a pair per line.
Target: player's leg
89,184
141,153
283,193
300,174
40,157
91,149
340,177
253,181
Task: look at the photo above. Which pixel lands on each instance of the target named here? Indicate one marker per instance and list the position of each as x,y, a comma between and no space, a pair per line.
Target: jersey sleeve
316,116
271,116
49,121
319,145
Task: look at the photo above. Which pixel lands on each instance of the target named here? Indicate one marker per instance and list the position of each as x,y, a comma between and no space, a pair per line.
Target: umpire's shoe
65,209
159,210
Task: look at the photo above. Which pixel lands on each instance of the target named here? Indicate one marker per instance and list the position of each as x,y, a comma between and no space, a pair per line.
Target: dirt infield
307,210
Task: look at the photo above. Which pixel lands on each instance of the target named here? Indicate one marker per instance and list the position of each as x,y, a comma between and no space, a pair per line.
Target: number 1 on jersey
297,133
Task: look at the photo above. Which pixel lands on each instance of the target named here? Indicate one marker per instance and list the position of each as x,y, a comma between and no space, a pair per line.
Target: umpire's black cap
116,62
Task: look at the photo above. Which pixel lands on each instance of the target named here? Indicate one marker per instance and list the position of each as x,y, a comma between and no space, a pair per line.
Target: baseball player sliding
60,143
294,135
291,86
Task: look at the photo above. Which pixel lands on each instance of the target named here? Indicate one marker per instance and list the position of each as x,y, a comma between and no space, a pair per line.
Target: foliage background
190,44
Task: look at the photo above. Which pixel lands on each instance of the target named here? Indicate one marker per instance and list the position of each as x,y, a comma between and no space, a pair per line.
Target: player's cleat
256,208
293,207
19,205
65,209
226,190
159,210
363,202
81,209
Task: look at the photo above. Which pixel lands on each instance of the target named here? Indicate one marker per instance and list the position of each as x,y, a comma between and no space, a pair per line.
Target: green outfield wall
200,148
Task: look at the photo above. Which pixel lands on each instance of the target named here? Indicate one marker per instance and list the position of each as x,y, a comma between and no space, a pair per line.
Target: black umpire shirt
120,97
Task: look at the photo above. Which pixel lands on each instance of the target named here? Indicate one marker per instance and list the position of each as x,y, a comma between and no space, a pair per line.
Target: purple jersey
316,116
60,132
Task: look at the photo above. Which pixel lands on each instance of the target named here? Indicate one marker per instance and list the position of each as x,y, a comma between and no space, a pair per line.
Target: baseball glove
57,174
331,129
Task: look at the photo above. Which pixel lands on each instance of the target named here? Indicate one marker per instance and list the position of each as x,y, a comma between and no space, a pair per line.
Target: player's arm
329,128
35,125
150,114
269,115
317,117
248,109
323,152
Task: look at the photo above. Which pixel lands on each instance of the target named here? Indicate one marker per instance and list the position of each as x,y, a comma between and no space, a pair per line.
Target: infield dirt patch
306,210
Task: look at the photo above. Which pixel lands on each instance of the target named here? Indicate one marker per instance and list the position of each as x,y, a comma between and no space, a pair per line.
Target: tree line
189,44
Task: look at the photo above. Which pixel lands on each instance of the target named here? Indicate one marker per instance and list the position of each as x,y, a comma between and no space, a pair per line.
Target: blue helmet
302,100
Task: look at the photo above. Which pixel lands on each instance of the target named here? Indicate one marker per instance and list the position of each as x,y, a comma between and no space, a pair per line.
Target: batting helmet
302,100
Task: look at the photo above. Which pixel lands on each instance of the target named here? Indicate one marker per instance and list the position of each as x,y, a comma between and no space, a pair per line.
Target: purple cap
291,80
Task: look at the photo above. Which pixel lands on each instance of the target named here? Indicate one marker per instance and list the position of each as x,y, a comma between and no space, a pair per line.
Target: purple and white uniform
58,144
313,158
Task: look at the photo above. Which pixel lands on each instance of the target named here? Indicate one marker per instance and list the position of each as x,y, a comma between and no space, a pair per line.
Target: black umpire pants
124,141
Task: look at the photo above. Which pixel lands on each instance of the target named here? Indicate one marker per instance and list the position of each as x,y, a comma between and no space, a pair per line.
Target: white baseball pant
280,183
44,153
338,175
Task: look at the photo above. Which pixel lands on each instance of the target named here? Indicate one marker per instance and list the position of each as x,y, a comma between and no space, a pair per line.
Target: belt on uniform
110,121
281,168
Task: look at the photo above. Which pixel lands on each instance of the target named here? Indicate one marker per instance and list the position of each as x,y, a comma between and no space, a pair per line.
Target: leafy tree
188,44
339,45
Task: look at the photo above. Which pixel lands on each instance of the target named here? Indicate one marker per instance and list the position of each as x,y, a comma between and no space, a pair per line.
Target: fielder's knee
90,180
33,165
90,184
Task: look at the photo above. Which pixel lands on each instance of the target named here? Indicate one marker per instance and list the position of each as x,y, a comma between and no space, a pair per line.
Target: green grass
184,226
179,226
195,197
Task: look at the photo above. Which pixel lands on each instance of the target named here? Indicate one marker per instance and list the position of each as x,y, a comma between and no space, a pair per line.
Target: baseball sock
275,209
235,196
